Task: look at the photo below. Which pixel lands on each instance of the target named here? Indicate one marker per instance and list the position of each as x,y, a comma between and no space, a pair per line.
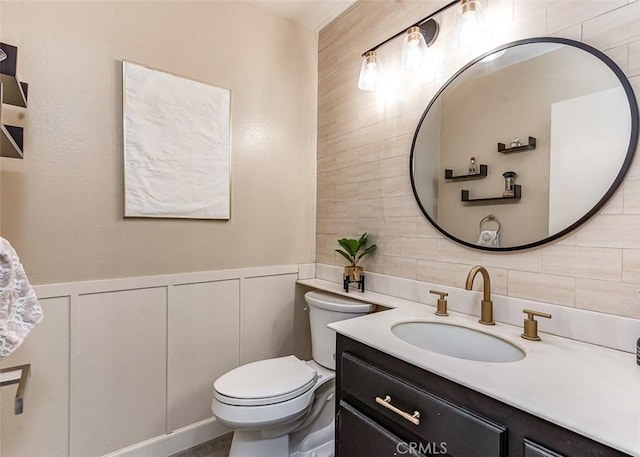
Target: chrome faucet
486,305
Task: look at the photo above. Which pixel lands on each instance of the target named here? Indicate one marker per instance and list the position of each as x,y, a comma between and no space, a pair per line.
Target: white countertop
589,389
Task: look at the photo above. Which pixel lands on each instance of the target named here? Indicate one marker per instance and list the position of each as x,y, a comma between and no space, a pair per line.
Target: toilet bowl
284,407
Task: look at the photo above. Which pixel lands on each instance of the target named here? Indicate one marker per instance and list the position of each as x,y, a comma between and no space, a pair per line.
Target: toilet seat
265,382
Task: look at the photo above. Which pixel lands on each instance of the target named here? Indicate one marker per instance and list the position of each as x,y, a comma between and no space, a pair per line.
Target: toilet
284,407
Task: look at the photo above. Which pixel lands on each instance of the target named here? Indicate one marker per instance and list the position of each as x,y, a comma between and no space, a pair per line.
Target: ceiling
313,14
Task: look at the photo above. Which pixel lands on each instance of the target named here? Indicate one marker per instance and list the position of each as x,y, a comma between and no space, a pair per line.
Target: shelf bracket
16,375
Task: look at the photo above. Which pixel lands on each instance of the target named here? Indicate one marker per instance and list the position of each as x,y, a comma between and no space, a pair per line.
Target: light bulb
370,72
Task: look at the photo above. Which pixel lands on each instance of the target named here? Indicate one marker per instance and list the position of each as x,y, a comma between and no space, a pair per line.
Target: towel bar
490,218
16,375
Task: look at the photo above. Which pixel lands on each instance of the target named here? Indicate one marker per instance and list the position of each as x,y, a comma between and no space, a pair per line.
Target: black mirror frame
631,149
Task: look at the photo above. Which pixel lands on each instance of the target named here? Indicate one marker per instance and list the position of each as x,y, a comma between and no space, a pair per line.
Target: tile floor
218,447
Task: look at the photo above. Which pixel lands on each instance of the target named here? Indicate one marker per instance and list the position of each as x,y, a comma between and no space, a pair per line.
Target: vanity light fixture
415,53
472,33
472,30
370,71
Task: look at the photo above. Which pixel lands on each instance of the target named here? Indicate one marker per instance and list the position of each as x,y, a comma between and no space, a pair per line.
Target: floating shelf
15,92
11,141
517,193
12,92
448,174
525,147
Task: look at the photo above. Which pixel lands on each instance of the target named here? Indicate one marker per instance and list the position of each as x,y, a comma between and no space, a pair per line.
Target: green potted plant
353,250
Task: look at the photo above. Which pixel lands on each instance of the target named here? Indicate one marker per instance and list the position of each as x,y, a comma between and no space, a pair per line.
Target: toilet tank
325,308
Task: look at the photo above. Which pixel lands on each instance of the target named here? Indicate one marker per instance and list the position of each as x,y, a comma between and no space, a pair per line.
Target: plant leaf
346,256
367,251
349,245
362,241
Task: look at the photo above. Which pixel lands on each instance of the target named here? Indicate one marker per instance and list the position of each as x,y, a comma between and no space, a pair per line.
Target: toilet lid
265,382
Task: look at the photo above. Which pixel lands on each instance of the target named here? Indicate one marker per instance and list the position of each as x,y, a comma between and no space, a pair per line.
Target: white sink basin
456,341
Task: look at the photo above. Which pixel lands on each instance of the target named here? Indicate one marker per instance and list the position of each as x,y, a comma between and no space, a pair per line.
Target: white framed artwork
177,145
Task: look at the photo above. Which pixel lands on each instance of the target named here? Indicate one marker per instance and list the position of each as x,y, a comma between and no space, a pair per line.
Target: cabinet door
359,436
532,449
463,432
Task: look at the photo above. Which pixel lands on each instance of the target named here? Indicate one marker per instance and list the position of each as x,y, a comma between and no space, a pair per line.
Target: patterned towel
19,308
489,238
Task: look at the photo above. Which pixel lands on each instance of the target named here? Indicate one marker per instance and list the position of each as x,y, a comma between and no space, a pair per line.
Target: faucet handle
531,324
442,303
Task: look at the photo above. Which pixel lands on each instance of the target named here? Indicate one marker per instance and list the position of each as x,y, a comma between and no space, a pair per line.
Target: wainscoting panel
120,368
43,428
125,367
204,339
267,317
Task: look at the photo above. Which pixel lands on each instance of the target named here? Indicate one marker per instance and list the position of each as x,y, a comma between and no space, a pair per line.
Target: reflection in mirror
552,125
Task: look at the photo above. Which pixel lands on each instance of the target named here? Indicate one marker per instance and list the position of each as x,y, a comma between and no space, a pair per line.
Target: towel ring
490,218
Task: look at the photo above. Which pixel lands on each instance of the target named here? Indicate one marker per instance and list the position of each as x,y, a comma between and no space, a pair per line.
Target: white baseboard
177,441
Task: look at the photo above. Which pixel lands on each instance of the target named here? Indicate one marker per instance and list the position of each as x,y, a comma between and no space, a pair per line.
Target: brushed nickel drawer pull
386,402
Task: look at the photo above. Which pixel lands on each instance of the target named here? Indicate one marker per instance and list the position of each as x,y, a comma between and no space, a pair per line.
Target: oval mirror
552,125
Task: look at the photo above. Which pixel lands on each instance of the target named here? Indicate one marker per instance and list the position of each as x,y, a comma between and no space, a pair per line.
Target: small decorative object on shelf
473,166
354,250
509,189
448,174
531,144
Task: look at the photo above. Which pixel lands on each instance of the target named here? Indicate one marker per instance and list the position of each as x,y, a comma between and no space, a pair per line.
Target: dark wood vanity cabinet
378,440
386,407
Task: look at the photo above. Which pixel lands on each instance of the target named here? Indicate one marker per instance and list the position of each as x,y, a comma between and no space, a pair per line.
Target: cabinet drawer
359,436
461,431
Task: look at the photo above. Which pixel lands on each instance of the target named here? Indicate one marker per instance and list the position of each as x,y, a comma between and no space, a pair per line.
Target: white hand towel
489,238
19,308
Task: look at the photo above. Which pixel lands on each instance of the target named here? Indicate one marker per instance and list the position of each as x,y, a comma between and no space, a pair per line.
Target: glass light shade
370,72
472,29
414,50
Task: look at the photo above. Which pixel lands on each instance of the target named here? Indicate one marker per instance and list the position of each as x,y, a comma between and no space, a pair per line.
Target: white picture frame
177,146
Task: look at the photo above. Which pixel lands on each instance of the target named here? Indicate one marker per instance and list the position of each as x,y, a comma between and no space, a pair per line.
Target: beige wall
62,206
364,144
